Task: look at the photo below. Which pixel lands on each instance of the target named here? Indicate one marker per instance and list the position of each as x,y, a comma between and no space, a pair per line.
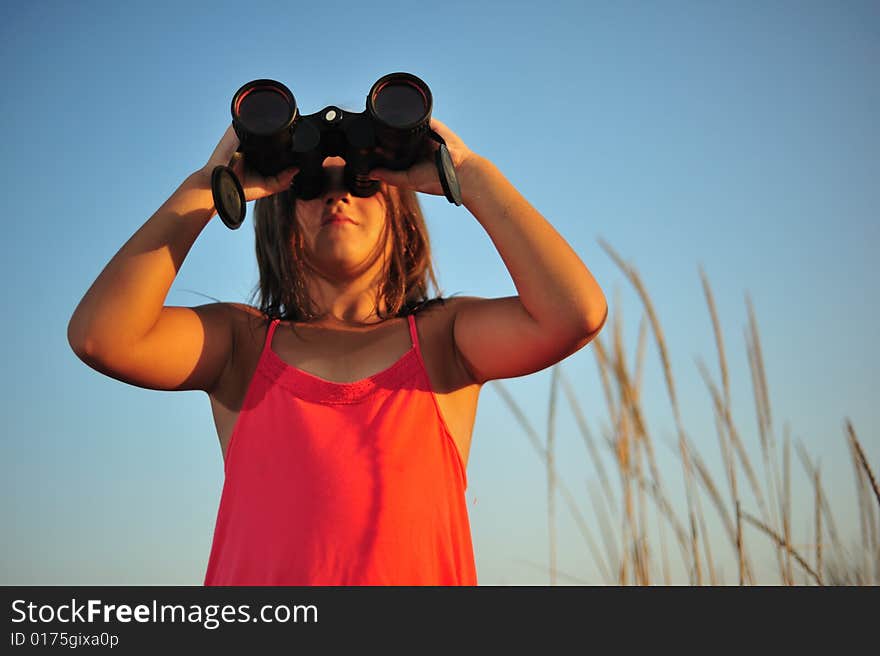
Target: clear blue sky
739,135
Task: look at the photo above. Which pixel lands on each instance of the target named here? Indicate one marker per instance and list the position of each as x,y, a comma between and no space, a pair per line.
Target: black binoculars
393,132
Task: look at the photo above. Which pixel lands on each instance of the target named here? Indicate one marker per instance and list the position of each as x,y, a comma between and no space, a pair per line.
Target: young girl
344,403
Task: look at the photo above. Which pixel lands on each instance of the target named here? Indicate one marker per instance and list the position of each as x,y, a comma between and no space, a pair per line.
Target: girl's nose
334,195
335,185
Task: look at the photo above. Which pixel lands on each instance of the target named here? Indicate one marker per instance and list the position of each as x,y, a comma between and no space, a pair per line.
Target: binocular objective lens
264,110
400,104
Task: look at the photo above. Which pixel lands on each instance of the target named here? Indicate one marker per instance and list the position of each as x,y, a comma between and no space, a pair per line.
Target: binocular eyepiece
393,132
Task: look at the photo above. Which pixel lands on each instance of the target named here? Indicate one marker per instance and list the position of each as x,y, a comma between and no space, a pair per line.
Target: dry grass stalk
818,522
666,511
551,511
761,387
863,500
862,459
707,541
637,442
582,524
642,541
826,509
739,544
615,413
786,508
640,359
623,458
763,423
782,544
631,429
624,447
667,581
759,361
873,545
645,443
605,526
602,362
635,445
561,486
642,565
725,383
754,369
710,487
868,484
741,561
603,365
629,399
719,339
733,435
663,506
767,412
635,279
730,467
586,435
620,439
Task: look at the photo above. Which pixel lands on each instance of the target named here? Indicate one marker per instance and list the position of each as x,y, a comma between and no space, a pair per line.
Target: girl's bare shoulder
249,323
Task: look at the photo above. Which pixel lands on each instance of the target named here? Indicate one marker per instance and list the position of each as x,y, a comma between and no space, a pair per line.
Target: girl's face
341,248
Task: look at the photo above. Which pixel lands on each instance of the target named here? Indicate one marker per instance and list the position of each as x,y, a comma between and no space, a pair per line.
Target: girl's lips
337,218
337,223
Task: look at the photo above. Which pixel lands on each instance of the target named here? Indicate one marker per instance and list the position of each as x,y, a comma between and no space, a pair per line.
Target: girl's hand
255,185
422,176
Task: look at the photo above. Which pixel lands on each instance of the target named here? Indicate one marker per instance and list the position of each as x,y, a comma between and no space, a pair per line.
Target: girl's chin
341,262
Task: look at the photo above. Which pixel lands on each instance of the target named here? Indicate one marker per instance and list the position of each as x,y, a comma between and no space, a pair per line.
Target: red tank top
334,483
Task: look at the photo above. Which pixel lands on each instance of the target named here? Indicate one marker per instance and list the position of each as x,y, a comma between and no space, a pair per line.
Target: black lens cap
448,178
228,195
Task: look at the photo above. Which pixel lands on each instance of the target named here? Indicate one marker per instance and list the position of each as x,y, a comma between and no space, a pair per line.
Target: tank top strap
413,334
271,331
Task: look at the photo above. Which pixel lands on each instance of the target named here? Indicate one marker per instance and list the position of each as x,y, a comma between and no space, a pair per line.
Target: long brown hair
282,292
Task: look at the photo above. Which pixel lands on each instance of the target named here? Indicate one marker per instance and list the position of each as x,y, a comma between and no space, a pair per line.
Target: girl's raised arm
559,308
122,328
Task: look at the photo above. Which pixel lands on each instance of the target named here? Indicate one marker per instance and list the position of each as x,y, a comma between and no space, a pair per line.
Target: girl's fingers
257,186
236,163
421,177
439,126
394,178
448,135
225,149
